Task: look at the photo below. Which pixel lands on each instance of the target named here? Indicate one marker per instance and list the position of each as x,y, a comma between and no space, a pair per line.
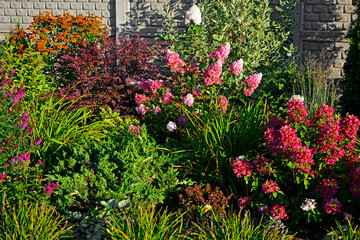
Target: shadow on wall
146,17
324,25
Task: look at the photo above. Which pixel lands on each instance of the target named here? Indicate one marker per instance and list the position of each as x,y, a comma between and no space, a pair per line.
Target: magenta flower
270,187
156,109
1,176
297,111
236,67
40,162
38,141
48,189
188,100
244,202
19,93
241,167
221,53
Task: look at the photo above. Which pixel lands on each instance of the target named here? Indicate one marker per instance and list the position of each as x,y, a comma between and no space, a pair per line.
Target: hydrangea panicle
221,53
222,103
188,100
236,67
171,126
213,73
252,83
174,62
270,187
193,15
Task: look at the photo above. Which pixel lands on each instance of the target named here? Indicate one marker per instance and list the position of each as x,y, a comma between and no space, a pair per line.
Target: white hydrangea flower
171,126
193,14
297,97
308,205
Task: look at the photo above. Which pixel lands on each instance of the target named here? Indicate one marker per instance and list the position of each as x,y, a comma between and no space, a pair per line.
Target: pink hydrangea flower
278,212
349,127
221,53
141,109
213,73
174,62
182,120
297,111
167,98
324,112
188,100
241,167
252,83
222,103
304,159
236,67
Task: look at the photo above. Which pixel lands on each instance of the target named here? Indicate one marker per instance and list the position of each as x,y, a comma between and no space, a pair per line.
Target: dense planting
195,138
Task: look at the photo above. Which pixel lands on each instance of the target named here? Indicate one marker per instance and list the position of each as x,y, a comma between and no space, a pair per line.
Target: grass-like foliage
31,220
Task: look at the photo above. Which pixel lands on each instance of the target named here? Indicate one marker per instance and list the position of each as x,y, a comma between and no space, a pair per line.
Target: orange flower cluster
53,33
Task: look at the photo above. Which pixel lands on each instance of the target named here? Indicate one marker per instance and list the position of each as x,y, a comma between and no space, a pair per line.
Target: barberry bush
310,172
108,74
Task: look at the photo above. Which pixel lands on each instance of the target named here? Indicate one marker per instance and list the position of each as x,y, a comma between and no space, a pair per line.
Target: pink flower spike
222,104
1,176
38,141
54,185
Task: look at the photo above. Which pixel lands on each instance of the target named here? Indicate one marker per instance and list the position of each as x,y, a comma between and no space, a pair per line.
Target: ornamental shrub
108,74
246,25
351,83
310,172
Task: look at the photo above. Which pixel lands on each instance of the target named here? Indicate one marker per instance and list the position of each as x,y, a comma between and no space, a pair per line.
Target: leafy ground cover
226,137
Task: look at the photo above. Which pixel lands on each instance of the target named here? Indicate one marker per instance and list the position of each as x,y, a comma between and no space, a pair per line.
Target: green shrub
351,83
121,168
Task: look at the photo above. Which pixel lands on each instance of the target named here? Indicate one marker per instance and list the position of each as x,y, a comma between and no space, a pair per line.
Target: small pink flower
244,202
141,109
1,176
54,185
171,126
188,100
156,109
332,206
150,86
38,141
48,189
141,99
236,67
40,162
252,83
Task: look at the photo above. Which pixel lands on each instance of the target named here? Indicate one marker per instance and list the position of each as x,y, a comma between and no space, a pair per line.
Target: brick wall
13,11
324,22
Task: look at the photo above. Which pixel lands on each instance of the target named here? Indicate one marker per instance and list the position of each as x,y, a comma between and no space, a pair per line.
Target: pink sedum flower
188,100
236,67
221,53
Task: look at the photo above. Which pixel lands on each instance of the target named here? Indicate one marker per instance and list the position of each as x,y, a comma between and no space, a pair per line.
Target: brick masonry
324,23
